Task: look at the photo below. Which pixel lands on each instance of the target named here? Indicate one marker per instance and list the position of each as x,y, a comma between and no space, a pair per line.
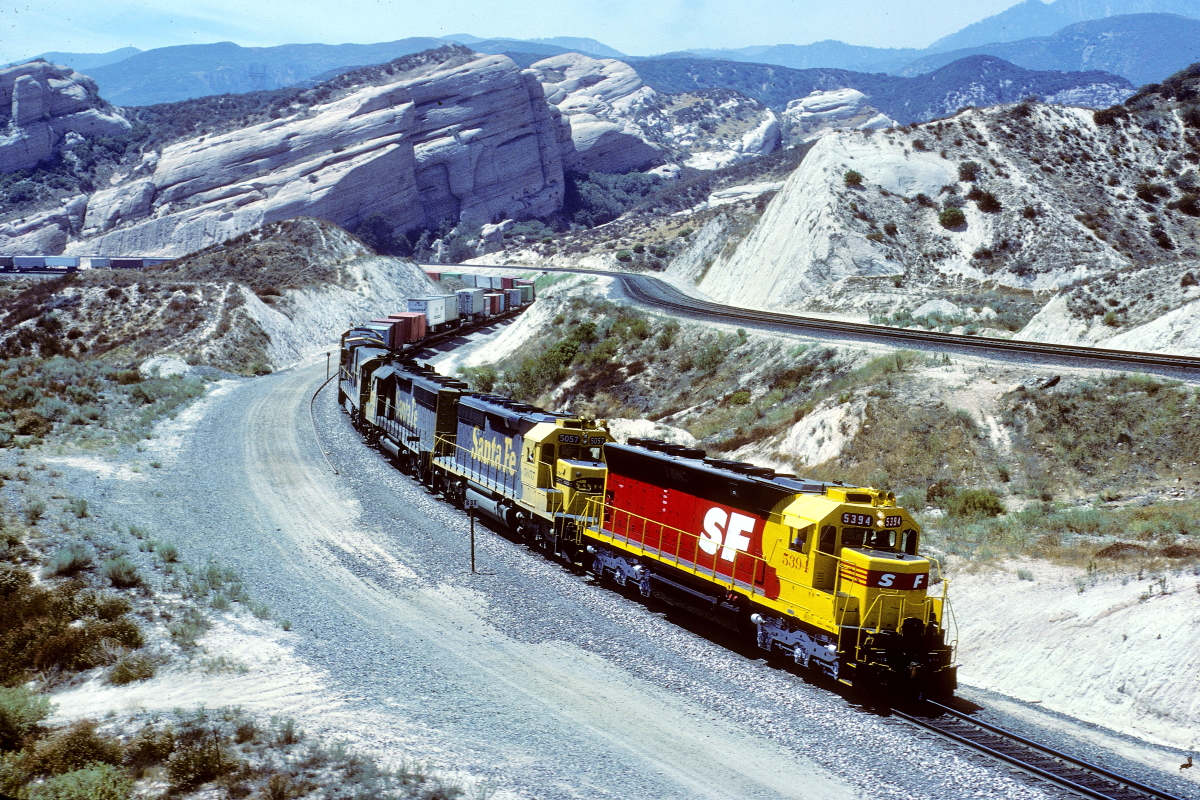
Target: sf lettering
888,578
726,532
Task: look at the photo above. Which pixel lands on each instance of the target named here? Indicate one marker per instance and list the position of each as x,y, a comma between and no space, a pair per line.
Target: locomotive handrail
607,516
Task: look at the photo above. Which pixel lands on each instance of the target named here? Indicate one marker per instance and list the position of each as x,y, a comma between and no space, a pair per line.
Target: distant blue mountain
1035,18
169,74
82,62
1143,48
976,80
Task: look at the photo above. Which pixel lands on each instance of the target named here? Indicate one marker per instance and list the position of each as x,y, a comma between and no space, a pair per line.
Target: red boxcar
414,322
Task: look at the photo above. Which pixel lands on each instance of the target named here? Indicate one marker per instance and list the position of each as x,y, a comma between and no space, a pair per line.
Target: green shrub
167,551
710,356
739,398
852,178
73,748
624,256
968,171
1111,319
149,747
94,782
71,560
123,573
974,503
79,507
196,763
34,511
132,667
20,712
188,628
952,217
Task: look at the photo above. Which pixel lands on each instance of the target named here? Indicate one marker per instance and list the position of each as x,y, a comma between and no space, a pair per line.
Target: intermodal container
62,262
6,263
507,282
96,262
29,262
392,339
470,302
125,263
526,293
154,262
434,309
414,321
468,278
451,304
433,276
513,296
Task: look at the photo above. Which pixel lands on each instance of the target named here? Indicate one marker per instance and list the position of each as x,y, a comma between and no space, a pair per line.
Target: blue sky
636,27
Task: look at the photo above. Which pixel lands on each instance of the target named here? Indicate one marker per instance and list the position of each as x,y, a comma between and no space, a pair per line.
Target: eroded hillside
256,303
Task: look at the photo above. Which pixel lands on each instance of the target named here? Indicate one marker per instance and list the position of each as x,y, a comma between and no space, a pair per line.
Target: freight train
829,575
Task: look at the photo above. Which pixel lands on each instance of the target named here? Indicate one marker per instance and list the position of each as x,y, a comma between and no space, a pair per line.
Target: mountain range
1143,41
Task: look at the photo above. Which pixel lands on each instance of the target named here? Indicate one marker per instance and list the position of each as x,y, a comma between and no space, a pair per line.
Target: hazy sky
636,27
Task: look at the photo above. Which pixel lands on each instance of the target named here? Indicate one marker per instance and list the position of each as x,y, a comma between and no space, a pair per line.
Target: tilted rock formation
600,99
474,142
618,124
40,104
821,112
1049,196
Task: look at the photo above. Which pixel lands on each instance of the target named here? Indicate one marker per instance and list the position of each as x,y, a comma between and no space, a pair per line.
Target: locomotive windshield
869,537
574,452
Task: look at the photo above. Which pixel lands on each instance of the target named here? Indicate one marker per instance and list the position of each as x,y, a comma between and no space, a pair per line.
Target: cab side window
800,537
547,454
828,540
910,542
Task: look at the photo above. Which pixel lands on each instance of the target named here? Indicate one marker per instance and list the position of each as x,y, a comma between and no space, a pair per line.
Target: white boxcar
470,302
434,309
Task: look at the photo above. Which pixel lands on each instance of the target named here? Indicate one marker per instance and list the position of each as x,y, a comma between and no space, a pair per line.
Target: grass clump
21,712
123,573
71,560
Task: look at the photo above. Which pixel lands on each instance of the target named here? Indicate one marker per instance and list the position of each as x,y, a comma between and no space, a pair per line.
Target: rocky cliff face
468,142
812,117
619,124
1045,196
40,105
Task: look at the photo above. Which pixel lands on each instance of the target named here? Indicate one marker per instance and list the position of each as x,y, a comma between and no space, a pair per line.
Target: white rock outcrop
821,112
601,100
40,104
475,142
801,244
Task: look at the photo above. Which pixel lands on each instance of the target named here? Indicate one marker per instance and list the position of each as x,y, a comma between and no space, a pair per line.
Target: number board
596,440
892,522
861,520
568,438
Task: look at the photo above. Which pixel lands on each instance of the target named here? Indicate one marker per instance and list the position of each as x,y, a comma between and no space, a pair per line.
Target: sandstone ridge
41,104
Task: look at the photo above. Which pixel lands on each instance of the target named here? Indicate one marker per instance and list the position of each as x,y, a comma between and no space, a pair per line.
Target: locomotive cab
859,556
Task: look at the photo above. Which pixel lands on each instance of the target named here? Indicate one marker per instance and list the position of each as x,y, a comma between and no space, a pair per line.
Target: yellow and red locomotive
826,573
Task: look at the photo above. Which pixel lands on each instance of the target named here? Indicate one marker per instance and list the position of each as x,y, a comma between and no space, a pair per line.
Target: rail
651,291
1054,766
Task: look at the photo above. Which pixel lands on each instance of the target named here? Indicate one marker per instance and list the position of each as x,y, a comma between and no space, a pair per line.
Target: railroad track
1065,771
651,291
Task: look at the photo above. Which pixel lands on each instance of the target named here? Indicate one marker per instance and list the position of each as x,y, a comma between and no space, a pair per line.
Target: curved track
657,293
1080,777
